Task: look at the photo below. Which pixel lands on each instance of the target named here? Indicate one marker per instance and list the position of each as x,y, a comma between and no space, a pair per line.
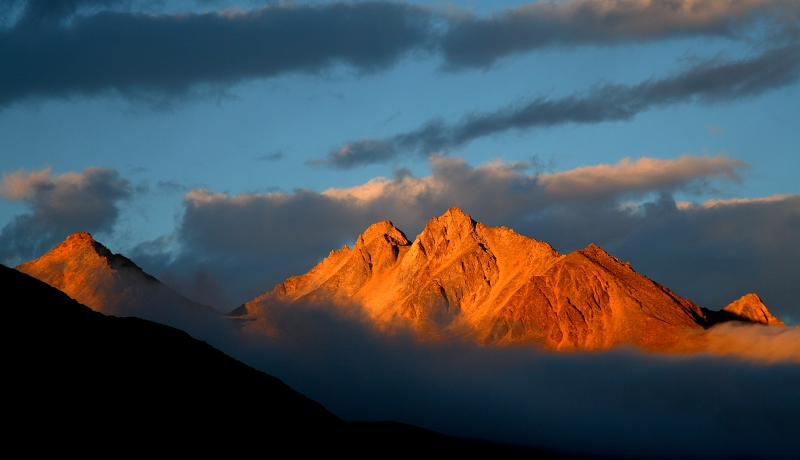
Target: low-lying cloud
711,81
620,403
762,343
60,205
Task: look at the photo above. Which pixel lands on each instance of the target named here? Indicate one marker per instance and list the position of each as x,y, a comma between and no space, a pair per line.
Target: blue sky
208,121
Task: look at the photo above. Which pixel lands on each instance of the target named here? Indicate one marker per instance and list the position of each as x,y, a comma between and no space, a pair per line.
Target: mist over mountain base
623,402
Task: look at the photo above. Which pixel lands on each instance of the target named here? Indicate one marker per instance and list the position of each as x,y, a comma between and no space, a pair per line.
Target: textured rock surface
750,308
110,283
492,285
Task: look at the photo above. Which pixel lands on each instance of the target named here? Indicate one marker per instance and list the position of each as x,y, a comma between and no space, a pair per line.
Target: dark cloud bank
59,48
135,53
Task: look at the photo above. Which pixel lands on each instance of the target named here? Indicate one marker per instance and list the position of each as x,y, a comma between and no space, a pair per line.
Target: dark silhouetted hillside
82,382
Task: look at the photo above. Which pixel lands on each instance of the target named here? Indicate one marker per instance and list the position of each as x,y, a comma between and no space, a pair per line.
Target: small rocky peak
383,229
595,252
750,308
594,249
81,244
447,233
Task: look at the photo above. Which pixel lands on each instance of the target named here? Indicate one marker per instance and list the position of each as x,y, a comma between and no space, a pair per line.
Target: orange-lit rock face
109,283
750,308
493,285
82,268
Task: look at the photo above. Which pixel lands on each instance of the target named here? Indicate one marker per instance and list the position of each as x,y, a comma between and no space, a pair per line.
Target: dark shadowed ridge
83,380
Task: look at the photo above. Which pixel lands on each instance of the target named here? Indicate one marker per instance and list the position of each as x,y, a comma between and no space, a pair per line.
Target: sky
225,146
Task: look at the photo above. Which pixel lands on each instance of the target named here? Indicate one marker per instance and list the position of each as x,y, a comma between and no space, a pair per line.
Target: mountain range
494,286
457,279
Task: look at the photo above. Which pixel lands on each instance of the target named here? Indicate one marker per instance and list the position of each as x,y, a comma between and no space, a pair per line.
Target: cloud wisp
60,205
711,81
472,41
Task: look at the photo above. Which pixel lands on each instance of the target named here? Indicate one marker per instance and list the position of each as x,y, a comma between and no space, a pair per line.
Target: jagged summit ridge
493,285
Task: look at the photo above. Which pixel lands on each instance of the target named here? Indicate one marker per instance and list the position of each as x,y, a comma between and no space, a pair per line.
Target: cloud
136,53
472,41
643,175
31,12
620,404
250,242
274,156
711,81
60,205
763,343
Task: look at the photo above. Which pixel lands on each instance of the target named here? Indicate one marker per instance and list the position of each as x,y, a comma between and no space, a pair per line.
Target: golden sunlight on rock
750,308
462,279
110,283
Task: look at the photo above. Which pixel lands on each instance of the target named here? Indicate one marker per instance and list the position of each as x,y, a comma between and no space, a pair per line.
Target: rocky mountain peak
383,229
80,237
80,242
109,283
750,308
447,233
454,220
